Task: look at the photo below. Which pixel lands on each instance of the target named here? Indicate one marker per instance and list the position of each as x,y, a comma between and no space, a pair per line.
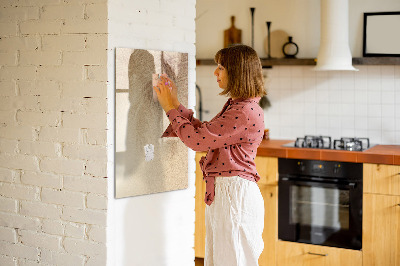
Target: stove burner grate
351,144
321,142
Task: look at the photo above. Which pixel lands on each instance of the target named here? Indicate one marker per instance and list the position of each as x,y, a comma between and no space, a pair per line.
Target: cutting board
232,35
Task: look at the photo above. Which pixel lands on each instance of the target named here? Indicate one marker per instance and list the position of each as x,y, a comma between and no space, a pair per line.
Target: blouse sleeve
223,131
186,113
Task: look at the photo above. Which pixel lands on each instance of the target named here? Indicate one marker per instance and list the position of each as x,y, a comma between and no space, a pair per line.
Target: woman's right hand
174,90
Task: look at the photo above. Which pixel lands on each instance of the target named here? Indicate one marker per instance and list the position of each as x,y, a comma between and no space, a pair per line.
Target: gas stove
325,142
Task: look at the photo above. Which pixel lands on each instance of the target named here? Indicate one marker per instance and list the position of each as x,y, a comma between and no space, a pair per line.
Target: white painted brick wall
63,197
94,201
6,260
96,169
53,107
8,205
53,227
86,184
87,216
19,250
89,88
97,234
75,230
61,258
63,43
19,221
41,179
8,234
84,247
20,192
7,175
37,209
35,239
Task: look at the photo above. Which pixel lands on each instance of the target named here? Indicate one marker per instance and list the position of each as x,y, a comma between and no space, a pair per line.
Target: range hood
334,51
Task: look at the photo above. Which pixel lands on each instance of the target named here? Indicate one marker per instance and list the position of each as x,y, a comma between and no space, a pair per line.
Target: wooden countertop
379,154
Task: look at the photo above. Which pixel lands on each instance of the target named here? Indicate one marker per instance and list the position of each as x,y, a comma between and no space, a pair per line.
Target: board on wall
145,163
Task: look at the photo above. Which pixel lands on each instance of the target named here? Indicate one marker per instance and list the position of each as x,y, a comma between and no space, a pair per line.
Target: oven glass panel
323,211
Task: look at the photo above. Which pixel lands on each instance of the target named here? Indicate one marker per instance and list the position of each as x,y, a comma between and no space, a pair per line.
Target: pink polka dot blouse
231,139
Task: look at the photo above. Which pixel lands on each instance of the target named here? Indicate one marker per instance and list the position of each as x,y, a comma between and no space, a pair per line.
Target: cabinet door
200,207
267,168
297,254
270,233
381,230
381,179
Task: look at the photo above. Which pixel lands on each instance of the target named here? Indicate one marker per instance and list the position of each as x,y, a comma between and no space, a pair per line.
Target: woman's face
222,76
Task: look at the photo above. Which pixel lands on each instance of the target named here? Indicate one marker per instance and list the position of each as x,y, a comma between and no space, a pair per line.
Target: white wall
338,104
53,190
299,18
155,229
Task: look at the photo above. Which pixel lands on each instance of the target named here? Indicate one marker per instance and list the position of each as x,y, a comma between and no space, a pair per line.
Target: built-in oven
320,202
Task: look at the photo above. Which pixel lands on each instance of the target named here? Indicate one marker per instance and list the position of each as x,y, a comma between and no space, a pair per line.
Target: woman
235,207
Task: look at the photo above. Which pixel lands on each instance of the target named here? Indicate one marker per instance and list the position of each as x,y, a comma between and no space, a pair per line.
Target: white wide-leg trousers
234,223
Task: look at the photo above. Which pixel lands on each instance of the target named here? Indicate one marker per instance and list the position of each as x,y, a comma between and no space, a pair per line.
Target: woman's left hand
164,96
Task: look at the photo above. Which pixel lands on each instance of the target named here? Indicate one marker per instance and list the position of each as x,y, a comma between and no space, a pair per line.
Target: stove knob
301,166
336,169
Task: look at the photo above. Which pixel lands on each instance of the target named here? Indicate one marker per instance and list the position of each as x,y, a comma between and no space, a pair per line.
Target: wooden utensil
232,35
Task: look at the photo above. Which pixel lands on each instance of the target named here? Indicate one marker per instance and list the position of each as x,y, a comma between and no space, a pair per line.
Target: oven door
321,212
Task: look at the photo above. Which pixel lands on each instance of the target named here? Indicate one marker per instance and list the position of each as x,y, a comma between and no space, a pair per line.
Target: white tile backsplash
388,97
364,103
388,110
374,110
374,97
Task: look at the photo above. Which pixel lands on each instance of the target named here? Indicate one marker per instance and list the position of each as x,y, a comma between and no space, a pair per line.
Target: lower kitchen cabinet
381,179
381,222
298,254
381,230
267,168
270,233
200,207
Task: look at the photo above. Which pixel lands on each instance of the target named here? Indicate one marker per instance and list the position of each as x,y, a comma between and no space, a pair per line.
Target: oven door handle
330,184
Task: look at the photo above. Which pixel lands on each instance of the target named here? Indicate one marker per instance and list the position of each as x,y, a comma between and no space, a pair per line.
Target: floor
199,262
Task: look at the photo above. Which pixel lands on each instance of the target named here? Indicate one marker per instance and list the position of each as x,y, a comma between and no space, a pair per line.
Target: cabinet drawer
297,254
381,179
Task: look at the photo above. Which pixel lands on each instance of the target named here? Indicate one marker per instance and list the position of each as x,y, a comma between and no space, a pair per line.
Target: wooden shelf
288,62
312,61
376,61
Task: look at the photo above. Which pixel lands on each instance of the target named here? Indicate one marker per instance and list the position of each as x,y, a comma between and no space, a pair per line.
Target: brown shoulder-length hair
245,78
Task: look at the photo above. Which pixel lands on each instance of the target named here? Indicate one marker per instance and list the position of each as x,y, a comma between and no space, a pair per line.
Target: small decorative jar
290,49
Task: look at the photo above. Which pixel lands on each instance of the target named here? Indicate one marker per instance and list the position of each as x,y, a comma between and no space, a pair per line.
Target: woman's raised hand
174,89
164,91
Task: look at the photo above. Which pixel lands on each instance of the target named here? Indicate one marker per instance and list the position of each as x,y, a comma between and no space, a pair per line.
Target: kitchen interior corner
331,166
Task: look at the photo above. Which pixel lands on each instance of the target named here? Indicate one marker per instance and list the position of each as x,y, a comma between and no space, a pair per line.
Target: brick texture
53,109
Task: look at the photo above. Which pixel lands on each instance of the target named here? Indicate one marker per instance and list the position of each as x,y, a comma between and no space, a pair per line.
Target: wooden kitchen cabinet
200,207
381,215
270,233
298,254
381,179
267,168
381,230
